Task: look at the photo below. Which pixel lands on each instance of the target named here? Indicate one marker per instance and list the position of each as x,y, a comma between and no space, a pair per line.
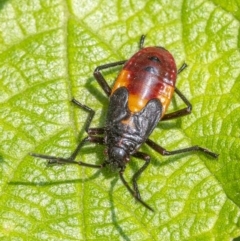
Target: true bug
138,101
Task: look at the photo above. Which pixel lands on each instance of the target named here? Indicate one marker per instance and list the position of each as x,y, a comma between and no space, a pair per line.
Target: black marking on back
151,70
155,59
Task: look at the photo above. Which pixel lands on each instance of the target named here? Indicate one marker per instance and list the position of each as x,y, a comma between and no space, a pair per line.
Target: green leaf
48,51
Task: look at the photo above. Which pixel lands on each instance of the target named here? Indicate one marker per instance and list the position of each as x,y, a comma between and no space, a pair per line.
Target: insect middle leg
90,131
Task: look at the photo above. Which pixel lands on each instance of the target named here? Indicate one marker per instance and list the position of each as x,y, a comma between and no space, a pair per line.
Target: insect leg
88,109
141,43
90,131
96,131
91,138
71,160
132,192
101,80
184,66
182,112
145,158
164,152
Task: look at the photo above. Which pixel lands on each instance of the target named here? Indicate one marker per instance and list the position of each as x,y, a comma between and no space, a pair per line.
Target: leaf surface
48,51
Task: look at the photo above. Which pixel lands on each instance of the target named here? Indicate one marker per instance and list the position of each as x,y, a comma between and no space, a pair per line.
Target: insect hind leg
100,78
184,66
141,42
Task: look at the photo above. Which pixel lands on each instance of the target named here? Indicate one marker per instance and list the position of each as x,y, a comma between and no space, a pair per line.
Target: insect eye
155,59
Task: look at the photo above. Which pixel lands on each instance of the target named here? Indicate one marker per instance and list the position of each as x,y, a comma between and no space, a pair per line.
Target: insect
138,101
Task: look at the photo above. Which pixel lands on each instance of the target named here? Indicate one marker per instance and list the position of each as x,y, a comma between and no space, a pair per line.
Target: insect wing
118,109
147,119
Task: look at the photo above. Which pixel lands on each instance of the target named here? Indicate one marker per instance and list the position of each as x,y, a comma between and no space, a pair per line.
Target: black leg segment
184,66
88,109
141,43
91,138
164,152
133,193
52,160
145,158
101,80
179,113
96,131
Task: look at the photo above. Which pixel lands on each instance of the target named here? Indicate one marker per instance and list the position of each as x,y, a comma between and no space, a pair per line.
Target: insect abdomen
149,74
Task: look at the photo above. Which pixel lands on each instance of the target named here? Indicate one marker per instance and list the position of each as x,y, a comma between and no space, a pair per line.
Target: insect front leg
133,192
145,158
52,160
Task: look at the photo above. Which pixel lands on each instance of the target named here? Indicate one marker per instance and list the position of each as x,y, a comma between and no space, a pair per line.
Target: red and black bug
138,101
